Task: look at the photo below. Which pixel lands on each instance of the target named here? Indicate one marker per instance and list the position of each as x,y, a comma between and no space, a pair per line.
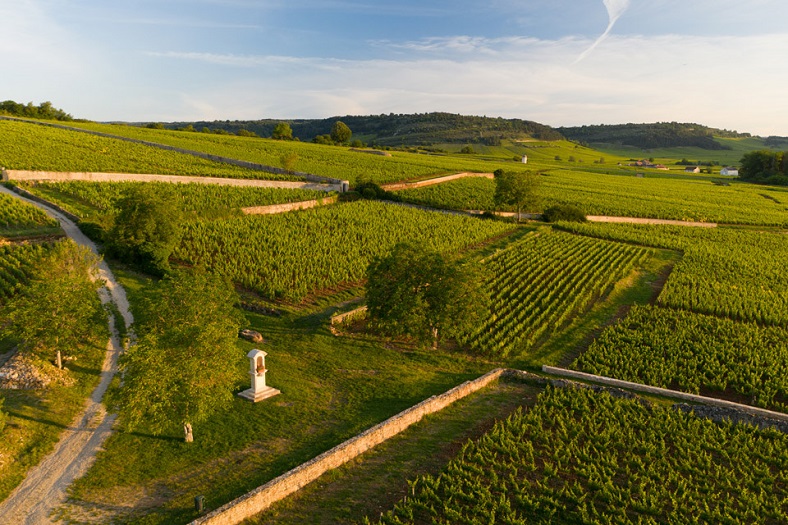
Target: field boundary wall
264,496
40,200
343,184
339,318
289,206
638,387
57,176
429,182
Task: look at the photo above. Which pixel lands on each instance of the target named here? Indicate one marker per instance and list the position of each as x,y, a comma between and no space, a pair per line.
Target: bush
564,212
372,191
349,196
2,416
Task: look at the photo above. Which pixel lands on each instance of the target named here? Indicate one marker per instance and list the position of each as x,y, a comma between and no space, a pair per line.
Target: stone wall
264,496
343,184
36,198
290,206
429,182
56,176
340,318
760,412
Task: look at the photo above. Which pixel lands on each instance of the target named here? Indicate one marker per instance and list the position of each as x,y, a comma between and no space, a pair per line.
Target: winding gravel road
44,487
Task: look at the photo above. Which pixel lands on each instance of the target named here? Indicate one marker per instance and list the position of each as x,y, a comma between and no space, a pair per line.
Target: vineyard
585,457
16,265
291,256
725,272
27,146
599,194
327,161
545,280
692,352
16,215
203,200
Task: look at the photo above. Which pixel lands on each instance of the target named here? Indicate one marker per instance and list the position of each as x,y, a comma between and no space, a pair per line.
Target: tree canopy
518,189
765,166
340,132
423,294
45,110
56,311
147,228
282,131
185,364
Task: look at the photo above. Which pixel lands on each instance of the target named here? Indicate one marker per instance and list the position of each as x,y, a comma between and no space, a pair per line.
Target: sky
719,63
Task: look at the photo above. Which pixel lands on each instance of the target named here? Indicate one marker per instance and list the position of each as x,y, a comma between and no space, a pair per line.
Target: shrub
2,416
564,212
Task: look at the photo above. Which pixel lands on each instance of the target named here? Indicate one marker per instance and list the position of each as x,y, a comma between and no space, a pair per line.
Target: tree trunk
518,215
58,360
434,338
188,437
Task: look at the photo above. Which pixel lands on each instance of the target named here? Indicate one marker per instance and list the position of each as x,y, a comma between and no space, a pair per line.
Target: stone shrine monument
257,370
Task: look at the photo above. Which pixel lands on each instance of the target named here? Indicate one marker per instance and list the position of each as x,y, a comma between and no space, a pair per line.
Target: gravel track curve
44,487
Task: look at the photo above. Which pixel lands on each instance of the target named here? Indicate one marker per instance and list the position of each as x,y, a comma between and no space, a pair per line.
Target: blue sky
559,62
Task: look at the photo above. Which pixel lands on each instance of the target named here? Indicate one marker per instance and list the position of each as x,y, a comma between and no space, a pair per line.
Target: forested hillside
422,129
658,135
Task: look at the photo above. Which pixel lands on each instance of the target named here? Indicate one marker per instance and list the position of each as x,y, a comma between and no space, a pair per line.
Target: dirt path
44,487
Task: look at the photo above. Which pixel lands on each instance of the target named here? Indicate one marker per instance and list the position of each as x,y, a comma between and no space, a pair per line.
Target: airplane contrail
615,8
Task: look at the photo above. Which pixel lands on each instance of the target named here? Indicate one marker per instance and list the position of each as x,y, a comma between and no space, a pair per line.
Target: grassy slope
669,155
332,388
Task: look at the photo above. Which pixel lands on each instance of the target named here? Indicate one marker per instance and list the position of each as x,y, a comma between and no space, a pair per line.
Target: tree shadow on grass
16,414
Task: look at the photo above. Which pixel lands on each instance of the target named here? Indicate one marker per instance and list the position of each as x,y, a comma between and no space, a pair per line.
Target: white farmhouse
525,159
730,170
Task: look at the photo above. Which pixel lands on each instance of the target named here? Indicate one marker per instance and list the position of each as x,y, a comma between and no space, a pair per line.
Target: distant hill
421,129
648,136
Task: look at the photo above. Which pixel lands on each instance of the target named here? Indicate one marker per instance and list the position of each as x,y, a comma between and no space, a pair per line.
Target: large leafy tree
147,228
763,164
518,189
185,363
59,307
340,132
282,131
425,295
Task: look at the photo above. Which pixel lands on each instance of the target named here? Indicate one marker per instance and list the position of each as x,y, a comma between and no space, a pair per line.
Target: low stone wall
641,220
340,318
56,176
429,182
618,383
372,152
24,193
343,185
290,206
264,496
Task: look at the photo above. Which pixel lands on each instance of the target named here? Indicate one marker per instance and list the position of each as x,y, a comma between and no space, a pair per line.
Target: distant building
692,169
730,170
525,159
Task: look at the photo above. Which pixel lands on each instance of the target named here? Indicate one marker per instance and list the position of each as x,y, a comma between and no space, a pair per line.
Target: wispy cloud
615,8
526,78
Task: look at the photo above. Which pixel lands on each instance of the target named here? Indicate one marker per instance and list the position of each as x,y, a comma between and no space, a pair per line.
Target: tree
518,189
340,132
762,164
282,131
422,294
245,133
185,364
147,228
58,308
